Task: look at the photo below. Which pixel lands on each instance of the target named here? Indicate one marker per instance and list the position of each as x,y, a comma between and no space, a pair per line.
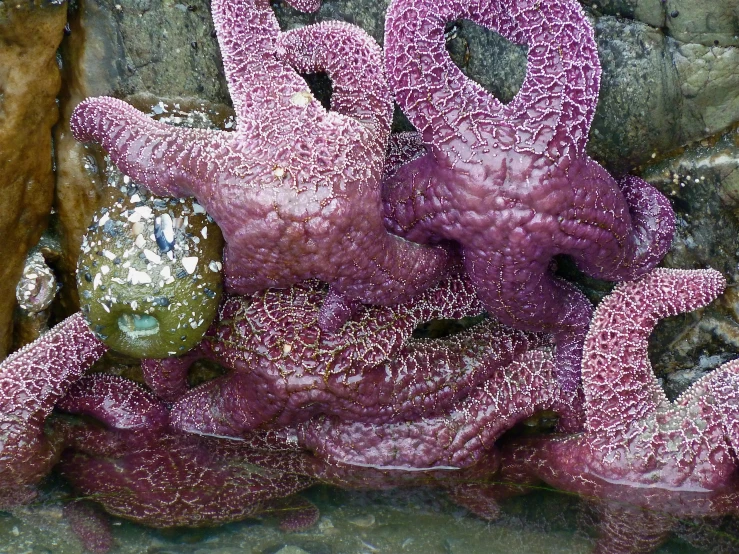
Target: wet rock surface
30,33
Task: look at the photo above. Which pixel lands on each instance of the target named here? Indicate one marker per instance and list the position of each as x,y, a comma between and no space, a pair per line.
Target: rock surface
30,33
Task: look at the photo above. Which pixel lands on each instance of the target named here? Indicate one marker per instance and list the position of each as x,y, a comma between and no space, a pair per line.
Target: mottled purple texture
144,472
284,370
512,184
647,459
31,381
295,189
458,439
136,468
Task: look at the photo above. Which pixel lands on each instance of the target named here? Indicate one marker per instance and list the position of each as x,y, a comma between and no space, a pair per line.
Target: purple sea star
136,468
512,184
31,381
295,189
647,459
285,370
208,481
458,439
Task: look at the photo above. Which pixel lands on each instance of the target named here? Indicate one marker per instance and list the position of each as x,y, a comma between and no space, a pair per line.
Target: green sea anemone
149,274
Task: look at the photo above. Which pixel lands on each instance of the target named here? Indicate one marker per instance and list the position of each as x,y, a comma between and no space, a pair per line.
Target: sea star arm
171,161
620,386
456,440
353,62
607,237
625,529
167,377
32,380
716,396
117,402
522,292
247,32
456,115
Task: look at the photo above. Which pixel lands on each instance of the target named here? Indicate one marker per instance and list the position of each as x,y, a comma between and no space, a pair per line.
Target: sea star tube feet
639,452
32,380
512,183
295,189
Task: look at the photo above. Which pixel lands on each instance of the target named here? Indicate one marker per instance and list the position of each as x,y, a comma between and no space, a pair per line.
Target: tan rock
30,33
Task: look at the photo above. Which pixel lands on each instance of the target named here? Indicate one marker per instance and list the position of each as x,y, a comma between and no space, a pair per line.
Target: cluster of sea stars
344,240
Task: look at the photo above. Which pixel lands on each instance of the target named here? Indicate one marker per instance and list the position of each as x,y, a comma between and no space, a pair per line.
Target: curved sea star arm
608,238
167,377
456,440
619,384
716,396
353,62
31,382
118,402
523,293
258,82
171,161
554,108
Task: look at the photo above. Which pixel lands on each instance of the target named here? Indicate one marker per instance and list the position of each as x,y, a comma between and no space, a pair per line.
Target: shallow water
408,521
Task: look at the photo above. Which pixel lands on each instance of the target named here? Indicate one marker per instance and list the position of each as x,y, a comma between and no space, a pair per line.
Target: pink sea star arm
717,395
31,381
459,439
167,377
561,84
259,83
142,147
622,388
621,252
351,59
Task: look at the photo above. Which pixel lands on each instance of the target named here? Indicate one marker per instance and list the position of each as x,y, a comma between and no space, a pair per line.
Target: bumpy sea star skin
641,454
31,381
137,469
512,183
284,370
295,189
460,438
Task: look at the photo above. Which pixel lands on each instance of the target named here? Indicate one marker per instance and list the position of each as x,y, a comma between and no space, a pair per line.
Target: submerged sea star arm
625,529
140,471
171,161
457,115
32,380
621,387
459,439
